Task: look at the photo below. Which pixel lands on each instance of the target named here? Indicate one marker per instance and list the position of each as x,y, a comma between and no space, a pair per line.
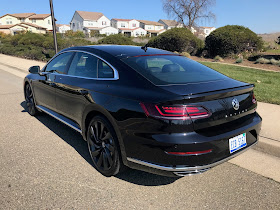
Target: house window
9,21
104,23
22,20
49,22
123,25
33,21
134,25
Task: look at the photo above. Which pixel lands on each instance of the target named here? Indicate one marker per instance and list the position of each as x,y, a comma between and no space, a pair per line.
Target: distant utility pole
54,27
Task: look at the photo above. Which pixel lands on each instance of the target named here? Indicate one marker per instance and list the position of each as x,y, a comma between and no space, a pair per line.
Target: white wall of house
206,30
109,30
62,29
134,24
46,23
77,22
139,32
9,20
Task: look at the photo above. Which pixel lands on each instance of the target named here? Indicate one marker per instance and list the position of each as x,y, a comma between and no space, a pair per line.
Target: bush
177,39
218,58
239,60
274,62
186,54
232,39
263,61
116,39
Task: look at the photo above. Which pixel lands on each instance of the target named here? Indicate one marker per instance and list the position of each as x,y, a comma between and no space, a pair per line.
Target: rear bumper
150,153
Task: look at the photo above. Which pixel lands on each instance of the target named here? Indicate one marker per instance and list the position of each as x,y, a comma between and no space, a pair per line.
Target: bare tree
188,12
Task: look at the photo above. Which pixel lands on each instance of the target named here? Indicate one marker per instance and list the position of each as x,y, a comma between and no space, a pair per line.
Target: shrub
239,60
218,58
186,54
177,39
75,34
116,39
232,39
274,62
263,61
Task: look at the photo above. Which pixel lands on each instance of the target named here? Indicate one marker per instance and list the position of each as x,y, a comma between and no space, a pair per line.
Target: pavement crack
270,138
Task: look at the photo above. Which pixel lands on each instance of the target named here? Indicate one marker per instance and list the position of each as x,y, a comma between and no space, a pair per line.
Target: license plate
237,142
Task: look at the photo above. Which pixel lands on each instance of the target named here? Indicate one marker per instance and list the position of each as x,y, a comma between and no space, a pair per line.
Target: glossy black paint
147,138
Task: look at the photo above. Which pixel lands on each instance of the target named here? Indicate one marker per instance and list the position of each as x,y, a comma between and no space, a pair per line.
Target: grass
273,51
267,84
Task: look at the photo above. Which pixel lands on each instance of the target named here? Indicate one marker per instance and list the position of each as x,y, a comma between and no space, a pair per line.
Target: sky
258,15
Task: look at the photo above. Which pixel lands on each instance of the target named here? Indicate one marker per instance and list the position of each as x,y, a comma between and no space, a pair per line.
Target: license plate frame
238,142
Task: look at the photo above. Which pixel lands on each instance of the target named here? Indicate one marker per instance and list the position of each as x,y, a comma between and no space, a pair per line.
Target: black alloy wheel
103,146
29,99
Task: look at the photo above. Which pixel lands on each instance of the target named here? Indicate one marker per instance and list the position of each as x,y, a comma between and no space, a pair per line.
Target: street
45,165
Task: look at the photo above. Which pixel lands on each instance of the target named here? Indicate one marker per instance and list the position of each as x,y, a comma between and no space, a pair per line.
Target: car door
82,77
45,88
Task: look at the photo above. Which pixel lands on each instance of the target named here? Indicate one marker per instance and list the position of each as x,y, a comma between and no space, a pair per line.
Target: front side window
83,65
59,63
172,69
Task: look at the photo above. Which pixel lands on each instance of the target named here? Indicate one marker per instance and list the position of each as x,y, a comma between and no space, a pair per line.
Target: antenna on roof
145,47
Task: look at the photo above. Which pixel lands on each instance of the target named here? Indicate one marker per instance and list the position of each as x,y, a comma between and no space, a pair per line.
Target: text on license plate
237,142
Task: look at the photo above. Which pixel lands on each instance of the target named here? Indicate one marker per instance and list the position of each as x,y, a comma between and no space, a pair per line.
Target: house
62,28
129,27
88,21
205,31
168,24
43,20
36,23
152,28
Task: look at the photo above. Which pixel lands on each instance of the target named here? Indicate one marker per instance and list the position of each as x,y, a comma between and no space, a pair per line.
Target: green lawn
267,83
273,51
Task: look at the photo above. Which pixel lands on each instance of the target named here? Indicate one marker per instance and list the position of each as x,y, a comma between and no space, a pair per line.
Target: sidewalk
269,141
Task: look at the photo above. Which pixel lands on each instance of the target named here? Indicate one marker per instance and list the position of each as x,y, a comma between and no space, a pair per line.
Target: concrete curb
269,146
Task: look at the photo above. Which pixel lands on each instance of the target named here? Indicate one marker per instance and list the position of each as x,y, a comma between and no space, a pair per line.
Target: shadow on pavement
75,140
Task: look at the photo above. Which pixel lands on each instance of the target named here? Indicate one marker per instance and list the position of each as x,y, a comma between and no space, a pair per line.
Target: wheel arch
94,110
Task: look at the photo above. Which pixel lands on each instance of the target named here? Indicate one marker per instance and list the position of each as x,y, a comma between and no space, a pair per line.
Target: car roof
123,51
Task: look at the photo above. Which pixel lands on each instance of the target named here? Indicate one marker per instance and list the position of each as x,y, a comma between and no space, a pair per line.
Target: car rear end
213,119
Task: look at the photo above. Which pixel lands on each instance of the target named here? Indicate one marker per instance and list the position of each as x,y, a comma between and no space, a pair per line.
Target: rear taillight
254,100
175,111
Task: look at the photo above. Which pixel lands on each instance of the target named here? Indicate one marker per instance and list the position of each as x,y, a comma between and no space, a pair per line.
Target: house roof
22,15
148,22
156,31
117,19
90,15
39,16
10,26
129,29
59,25
170,22
32,25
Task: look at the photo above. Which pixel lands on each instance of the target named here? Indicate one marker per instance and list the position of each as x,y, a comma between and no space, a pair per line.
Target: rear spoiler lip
217,94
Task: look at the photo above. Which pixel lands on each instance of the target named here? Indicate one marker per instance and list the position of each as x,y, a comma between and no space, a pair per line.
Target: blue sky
259,15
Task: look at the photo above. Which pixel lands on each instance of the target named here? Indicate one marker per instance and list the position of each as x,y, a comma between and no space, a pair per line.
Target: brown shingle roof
39,16
58,25
170,22
32,25
10,26
148,22
90,15
117,19
22,15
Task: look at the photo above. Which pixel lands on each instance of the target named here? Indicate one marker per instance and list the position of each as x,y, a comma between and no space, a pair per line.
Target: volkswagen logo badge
235,104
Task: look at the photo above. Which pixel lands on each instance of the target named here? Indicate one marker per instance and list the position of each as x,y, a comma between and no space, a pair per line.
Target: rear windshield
172,69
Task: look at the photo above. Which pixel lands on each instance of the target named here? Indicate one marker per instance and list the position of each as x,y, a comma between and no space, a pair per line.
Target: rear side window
59,63
83,65
172,69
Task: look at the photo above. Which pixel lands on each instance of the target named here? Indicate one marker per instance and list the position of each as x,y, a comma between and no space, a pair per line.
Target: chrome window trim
116,73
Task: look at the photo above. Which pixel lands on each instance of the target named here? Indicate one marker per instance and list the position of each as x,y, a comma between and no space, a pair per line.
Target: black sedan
146,108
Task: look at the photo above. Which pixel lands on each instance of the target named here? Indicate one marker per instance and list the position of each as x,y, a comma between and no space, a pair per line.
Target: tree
278,40
188,12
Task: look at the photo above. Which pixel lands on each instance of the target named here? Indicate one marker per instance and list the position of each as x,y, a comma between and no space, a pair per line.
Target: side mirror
34,69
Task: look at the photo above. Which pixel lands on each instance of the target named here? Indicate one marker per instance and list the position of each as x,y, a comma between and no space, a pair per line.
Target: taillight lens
175,111
254,100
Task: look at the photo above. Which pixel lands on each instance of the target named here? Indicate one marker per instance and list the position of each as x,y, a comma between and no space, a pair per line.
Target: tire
104,147
29,99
